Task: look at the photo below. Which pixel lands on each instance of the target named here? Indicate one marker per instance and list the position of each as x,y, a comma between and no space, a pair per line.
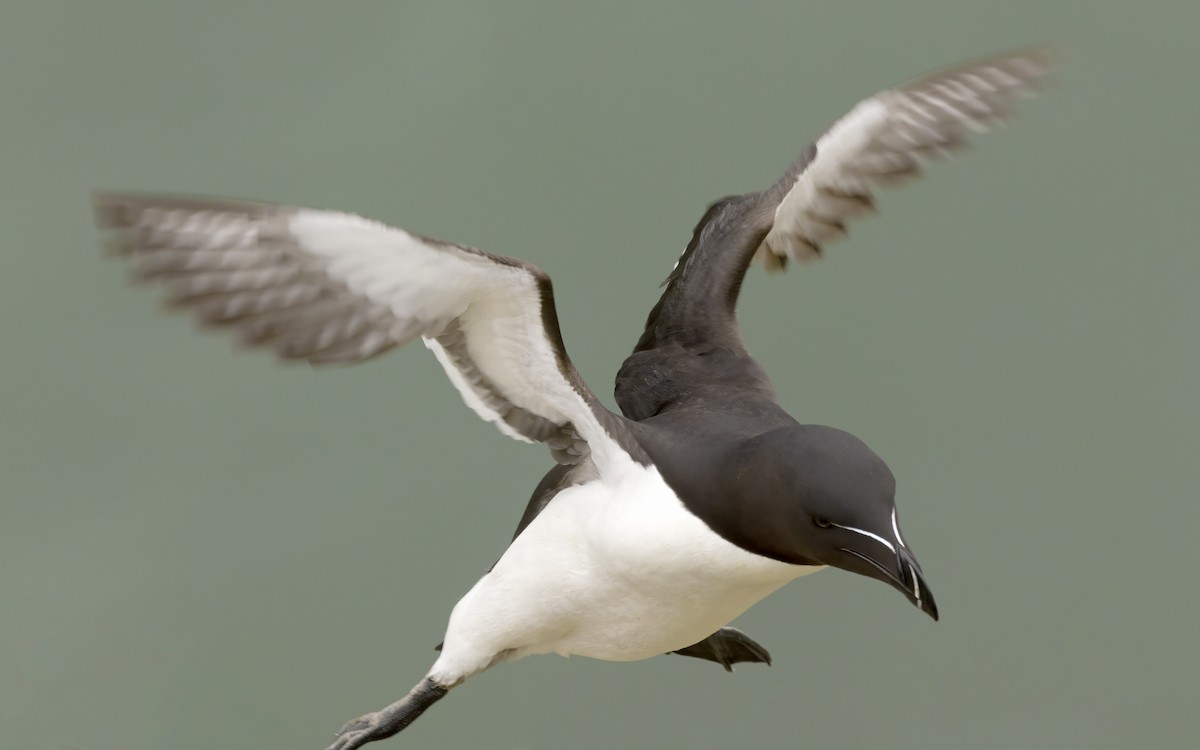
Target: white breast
618,571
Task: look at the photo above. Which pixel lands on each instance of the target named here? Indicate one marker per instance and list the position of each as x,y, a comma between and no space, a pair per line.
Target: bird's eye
822,523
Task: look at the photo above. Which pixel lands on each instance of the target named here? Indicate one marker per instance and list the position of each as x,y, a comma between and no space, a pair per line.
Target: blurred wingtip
1034,63
109,209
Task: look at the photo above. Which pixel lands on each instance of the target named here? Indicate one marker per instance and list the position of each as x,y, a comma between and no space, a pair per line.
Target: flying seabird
659,525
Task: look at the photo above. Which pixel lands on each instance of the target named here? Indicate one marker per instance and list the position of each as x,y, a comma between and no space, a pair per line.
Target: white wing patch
469,395
885,140
333,287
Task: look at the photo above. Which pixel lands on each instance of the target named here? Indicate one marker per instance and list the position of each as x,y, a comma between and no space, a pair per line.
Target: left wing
883,141
330,287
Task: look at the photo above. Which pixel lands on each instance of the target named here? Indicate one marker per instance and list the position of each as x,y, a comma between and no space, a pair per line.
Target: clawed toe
355,733
380,725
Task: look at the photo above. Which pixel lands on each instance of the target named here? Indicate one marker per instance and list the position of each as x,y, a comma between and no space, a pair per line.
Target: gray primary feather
924,119
236,265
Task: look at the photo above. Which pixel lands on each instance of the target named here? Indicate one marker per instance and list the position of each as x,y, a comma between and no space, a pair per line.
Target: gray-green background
203,549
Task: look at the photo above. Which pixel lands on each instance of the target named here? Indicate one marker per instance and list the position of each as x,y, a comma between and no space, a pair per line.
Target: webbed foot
387,722
728,646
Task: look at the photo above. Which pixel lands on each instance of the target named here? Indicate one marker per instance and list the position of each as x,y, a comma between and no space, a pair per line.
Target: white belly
612,572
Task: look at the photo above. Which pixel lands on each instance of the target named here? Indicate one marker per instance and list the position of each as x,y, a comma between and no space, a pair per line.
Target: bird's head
840,507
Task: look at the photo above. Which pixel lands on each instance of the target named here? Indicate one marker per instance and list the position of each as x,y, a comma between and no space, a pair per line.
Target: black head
817,495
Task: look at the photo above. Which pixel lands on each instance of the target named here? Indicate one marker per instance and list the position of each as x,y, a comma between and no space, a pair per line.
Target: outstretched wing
883,141
331,287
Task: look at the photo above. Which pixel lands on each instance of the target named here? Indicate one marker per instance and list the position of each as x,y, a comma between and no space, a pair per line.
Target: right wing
330,287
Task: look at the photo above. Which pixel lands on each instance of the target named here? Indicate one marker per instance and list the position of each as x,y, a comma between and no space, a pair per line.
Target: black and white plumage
659,525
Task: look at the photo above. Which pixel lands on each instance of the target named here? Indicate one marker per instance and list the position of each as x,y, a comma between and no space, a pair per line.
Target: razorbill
659,525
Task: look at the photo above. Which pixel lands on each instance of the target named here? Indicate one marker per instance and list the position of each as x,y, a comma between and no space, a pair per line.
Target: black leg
387,722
